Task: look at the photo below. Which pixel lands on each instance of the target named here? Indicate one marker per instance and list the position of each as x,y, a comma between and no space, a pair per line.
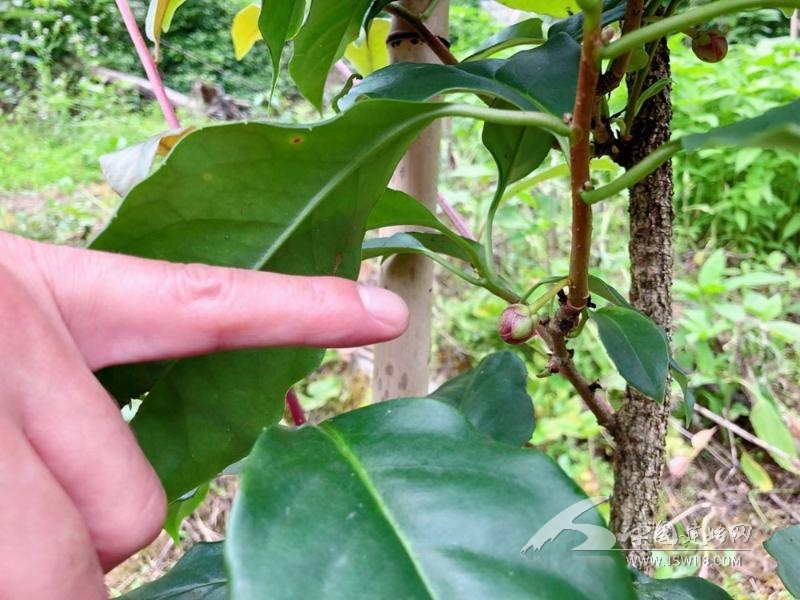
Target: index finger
123,309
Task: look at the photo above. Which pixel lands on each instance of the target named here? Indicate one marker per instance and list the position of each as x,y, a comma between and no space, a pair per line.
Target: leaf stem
432,40
635,174
541,120
684,20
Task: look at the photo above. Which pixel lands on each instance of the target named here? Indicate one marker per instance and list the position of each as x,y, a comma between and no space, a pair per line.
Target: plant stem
616,71
148,64
293,404
580,155
635,174
562,363
684,20
434,43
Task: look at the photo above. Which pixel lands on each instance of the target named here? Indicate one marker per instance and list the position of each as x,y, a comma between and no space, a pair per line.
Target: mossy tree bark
401,366
642,422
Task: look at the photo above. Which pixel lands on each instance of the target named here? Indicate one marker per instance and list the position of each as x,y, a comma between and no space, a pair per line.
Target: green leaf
529,31
404,499
778,127
432,245
330,26
636,346
679,375
769,426
494,398
395,208
181,508
199,575
784,546
543,78
601,288
279,21
204,413
681,588
554,8
757,474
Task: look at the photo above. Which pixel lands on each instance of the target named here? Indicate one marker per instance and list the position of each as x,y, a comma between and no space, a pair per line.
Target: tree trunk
642,422
401,366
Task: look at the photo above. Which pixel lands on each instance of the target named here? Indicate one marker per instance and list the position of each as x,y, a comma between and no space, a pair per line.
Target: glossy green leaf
182,508
600,288
279,21
681,588
329,27
494,398
769,426
527,32
778,127
784,546
433,245
203,413
395,208
636,346
199,575
543,78
405,499
554,8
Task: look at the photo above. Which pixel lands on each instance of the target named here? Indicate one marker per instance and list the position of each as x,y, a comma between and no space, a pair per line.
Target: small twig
432,40
619,66
562,363
148,64
293,403
723,422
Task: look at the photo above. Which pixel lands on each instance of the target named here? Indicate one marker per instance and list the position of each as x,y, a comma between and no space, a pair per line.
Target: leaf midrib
363,476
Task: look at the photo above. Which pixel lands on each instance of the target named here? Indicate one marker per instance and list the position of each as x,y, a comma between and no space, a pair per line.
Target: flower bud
517,324
710,45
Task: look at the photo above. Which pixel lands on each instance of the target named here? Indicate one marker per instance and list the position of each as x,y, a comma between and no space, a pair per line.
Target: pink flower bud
517,324
710,45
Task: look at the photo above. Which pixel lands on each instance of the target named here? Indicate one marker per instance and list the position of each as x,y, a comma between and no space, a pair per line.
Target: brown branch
432,40
619,66
561,362
580,154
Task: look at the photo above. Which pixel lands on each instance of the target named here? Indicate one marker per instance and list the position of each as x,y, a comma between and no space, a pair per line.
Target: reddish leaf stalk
293,404
148,64
455,218
580,154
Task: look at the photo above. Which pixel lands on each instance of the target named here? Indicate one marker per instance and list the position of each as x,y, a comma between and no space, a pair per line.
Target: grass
45,154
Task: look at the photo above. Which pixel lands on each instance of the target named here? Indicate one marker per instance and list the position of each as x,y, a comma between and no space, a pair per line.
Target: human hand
78,495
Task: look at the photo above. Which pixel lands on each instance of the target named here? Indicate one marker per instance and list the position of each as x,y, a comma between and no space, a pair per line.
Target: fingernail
385,306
